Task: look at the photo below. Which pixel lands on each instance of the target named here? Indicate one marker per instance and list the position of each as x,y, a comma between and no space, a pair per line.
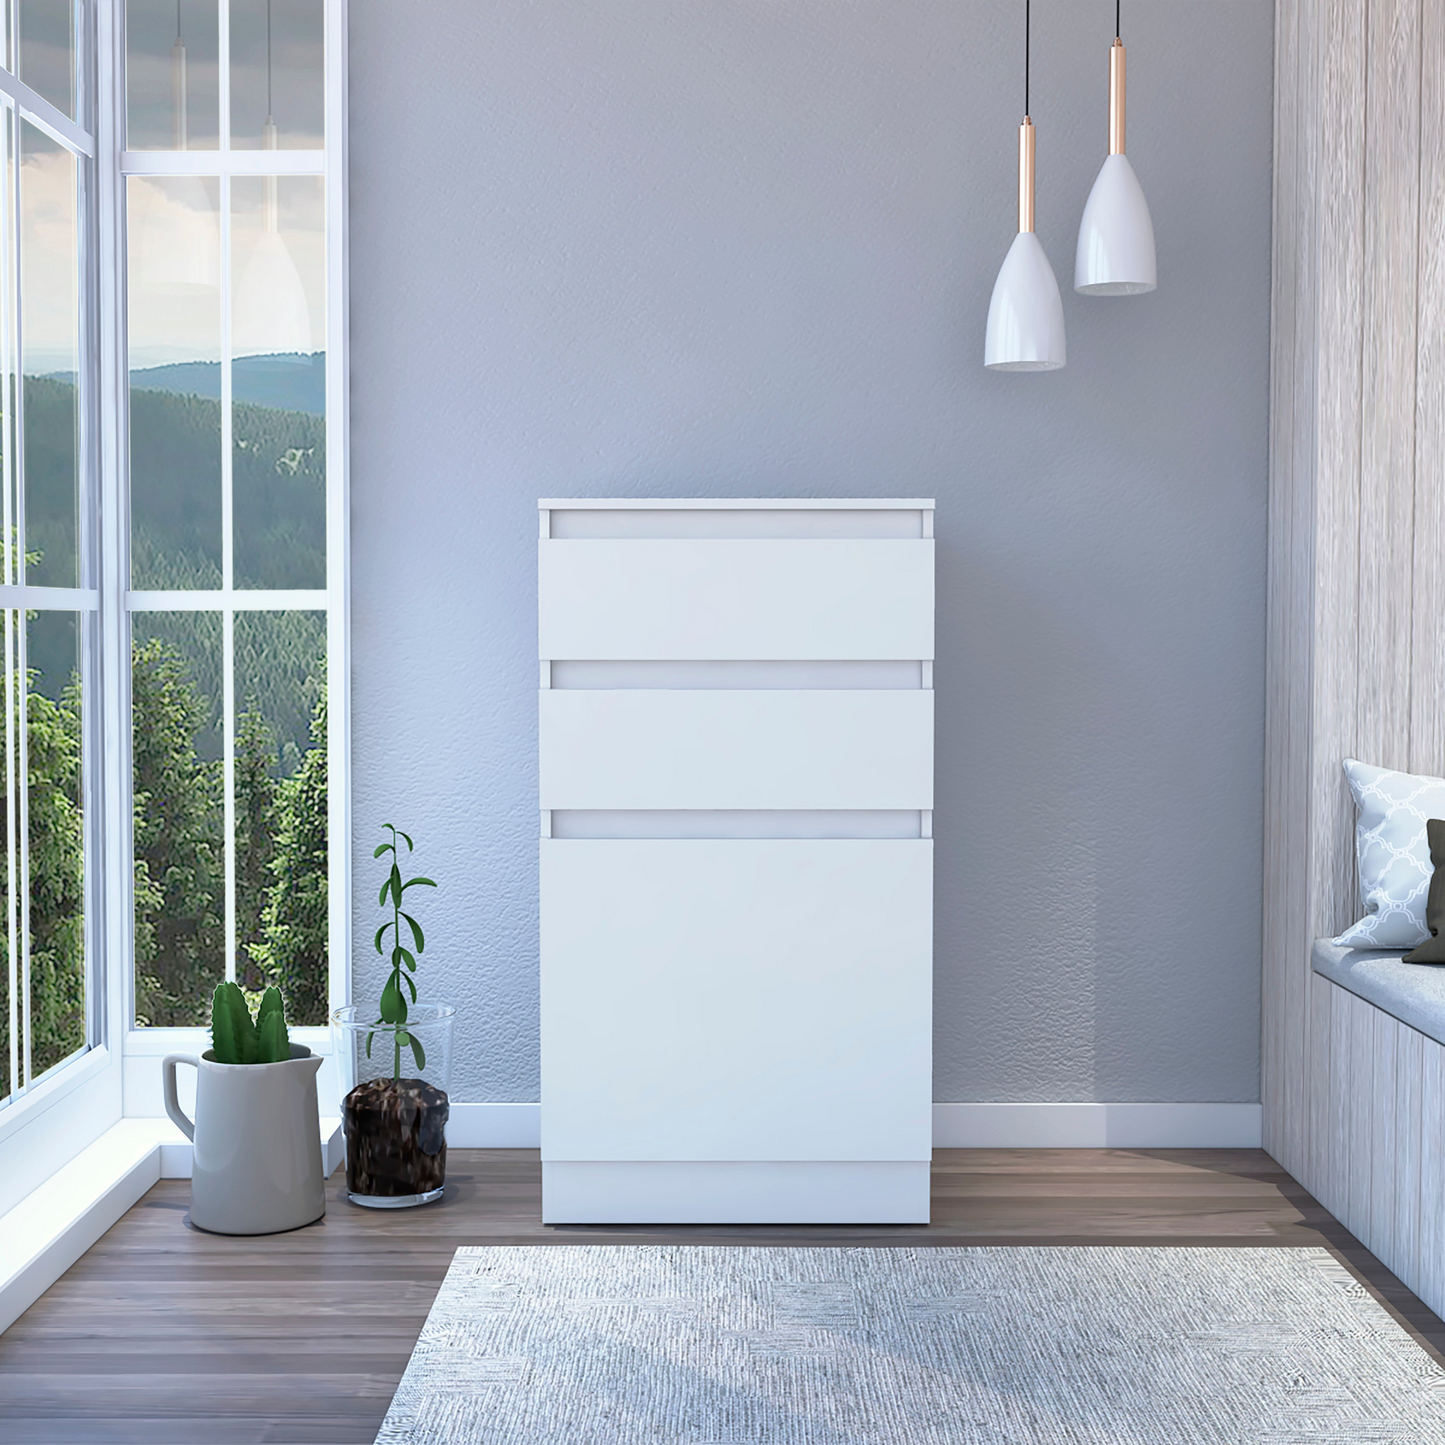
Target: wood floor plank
167,1336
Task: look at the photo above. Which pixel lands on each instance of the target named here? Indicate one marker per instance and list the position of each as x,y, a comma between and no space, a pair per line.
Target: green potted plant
396,1063
256,1157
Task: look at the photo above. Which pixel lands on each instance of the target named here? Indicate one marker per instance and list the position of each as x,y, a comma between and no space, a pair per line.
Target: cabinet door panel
736,999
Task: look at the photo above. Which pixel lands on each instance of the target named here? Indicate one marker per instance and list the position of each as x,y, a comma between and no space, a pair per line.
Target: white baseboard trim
966,1126
1098,1126
495,1126
43,1235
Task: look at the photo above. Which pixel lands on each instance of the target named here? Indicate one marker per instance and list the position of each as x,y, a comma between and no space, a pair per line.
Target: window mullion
245,599
14,775
89,252
16,683
17,331
10,570
228,773
108,713
338,577
12,858
228,616
22,812
47,117
9,307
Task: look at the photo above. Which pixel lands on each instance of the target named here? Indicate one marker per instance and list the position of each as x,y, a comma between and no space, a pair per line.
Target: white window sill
159,1042
22,1110
43,1235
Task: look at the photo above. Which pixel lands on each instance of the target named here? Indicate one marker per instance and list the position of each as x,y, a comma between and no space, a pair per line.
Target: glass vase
394,1105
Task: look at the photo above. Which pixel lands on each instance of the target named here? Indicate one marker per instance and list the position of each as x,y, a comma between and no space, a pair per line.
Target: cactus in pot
256,1166
235,1039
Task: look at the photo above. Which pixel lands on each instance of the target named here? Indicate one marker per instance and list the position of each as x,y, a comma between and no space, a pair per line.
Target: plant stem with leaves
403,962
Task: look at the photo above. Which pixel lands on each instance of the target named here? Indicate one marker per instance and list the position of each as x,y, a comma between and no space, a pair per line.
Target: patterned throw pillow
1393,854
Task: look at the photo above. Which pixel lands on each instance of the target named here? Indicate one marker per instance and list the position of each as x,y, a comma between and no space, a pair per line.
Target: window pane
46,32
277,75
278,251
50,352
175,381
180,873
280,773
172,75
55,805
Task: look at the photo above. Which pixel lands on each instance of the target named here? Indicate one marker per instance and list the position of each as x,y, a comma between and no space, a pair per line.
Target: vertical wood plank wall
1354,1100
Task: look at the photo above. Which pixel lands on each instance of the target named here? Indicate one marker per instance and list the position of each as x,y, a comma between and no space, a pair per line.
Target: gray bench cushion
1413,992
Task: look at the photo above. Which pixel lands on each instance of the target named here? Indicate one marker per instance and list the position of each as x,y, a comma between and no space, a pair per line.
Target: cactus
233,1035
236,1039
272,1044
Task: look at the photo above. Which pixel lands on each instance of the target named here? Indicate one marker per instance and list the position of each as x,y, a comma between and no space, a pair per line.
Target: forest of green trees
280,733
281,914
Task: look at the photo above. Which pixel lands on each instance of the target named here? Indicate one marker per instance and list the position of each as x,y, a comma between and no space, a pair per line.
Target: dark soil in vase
396,1140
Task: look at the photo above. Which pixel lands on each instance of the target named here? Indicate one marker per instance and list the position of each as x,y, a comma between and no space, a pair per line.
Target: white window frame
143,1048
54,1116
70,1107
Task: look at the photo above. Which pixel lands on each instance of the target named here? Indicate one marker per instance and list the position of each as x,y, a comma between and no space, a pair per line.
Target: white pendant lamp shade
1026,313
1116,237
1115,255
270,313
177,246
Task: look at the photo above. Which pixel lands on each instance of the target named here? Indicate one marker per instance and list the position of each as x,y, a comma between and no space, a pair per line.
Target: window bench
1414,993
1371,1103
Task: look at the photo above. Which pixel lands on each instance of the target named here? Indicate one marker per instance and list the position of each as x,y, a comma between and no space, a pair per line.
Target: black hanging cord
178,19
1117,3
1027,29
269,111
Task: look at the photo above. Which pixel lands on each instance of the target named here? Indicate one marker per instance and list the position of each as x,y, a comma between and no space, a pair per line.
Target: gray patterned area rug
687,1345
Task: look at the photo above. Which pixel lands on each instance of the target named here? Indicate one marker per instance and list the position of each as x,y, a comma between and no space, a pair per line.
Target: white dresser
736,774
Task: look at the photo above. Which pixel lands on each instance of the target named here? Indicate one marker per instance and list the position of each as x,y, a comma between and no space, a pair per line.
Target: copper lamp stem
1116,98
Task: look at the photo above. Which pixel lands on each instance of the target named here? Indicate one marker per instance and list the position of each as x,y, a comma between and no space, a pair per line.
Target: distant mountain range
291,382
278,470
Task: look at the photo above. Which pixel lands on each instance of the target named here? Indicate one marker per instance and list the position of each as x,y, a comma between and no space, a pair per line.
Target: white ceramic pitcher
257,1160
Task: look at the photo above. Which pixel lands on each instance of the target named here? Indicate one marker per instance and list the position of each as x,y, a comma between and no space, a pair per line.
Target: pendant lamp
1115,256
1026,315
179,248
179,138
271,315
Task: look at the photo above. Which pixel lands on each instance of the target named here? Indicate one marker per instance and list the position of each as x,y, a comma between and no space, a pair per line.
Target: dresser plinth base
712,1192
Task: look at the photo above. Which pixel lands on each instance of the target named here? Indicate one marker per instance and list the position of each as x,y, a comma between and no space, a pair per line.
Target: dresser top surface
736,504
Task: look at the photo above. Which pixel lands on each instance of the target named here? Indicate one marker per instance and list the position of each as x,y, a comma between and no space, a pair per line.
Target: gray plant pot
257,1160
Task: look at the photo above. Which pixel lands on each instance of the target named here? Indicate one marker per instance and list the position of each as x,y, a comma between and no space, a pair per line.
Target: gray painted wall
745,247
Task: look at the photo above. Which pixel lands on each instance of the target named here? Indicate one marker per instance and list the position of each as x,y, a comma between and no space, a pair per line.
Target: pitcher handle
168,1084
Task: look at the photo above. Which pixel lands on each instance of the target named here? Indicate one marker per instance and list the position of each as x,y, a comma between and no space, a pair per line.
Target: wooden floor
162,1334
